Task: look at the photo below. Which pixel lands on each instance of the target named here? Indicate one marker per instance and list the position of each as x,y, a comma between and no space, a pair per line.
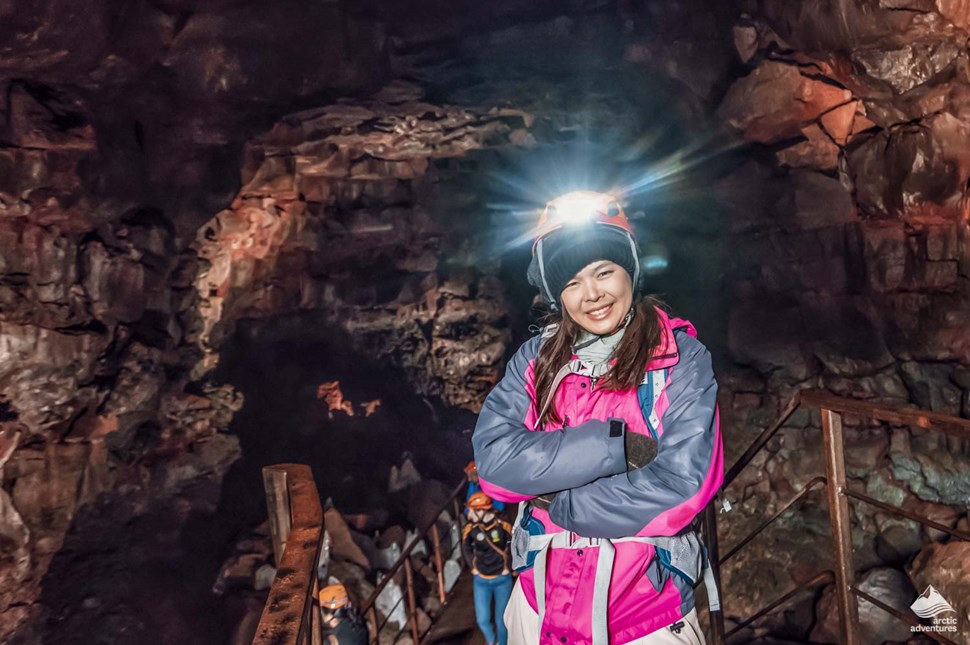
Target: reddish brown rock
905,67
944,566
889,586
376,147
47,491
34,124
41,370
817,151
892,171
343,546
816,26
776,101
956,11
839,122
14,534
929,328
861,122
819,201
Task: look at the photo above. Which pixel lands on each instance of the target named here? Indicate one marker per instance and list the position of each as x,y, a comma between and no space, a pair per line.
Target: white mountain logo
930,604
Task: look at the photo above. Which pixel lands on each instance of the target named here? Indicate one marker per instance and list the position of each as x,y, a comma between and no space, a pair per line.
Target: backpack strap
652,386
684,555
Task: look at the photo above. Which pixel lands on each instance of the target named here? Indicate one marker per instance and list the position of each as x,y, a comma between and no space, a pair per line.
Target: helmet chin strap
636,262
542,275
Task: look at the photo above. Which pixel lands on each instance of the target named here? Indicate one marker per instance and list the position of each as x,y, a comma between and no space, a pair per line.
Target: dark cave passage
279,366
137,577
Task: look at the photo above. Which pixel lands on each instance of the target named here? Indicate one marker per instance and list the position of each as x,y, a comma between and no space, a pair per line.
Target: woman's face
599,297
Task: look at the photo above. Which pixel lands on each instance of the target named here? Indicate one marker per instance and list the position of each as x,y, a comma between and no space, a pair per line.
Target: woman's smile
599,314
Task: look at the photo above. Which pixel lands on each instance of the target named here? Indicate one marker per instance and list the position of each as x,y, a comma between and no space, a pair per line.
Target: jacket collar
666,354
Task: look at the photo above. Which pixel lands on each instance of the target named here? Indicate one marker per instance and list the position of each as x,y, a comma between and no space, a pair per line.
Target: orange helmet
471,468
479,501
581,207
333,597
578,228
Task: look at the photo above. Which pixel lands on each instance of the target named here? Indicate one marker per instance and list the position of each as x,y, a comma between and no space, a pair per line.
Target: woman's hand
544,501
640,450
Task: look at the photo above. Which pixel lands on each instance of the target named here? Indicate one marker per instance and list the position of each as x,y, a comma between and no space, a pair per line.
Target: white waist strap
604,574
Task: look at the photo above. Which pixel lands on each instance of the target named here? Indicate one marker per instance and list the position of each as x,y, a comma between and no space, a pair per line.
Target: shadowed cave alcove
283,367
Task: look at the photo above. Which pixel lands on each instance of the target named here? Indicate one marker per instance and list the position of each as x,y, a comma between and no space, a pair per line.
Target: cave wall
850,272
336,215
148,202
120,133
97,330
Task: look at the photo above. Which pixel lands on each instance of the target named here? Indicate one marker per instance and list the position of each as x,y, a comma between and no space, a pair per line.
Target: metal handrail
369,608
832,408
296,522
902,512
809,487
825,576
821,399
297,528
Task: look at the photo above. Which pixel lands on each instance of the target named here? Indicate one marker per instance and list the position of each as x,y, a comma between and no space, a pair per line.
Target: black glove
640,450
544,501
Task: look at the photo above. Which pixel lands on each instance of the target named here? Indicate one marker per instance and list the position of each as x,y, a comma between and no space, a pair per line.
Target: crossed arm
597,496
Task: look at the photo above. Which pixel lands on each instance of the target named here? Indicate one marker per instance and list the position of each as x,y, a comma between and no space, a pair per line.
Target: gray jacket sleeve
515,463
666,494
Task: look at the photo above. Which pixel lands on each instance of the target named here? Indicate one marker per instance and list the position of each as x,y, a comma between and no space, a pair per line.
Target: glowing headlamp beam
576,210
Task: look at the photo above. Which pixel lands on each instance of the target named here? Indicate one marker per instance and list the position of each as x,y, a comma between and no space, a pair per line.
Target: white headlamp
576,209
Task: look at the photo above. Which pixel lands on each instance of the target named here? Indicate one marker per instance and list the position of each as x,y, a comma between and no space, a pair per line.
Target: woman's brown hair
642,336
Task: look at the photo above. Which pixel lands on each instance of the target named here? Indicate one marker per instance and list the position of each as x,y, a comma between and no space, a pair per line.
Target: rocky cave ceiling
171,170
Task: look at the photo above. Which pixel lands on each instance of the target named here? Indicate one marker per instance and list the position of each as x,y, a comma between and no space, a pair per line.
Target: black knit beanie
569,249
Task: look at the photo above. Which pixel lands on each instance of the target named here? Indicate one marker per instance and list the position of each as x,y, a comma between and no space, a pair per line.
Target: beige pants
523,625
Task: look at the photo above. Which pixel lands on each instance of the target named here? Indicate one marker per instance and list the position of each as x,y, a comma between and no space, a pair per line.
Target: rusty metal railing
429,533
296,524
831,409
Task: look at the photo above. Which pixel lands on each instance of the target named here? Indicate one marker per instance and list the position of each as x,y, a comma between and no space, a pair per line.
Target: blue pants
500,589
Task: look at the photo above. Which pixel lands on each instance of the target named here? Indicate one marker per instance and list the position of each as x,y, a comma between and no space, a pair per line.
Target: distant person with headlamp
605,430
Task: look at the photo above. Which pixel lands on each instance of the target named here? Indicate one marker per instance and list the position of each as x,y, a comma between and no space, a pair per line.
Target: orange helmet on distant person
574,230
479,501
333,597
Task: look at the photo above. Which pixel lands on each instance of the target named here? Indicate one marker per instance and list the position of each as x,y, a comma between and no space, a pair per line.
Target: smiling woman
603,539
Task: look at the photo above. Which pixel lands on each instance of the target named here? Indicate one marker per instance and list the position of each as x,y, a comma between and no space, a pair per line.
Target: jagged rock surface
850,243
330,196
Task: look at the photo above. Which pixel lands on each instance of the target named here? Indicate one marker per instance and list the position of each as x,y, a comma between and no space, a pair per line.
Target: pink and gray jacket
584,460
